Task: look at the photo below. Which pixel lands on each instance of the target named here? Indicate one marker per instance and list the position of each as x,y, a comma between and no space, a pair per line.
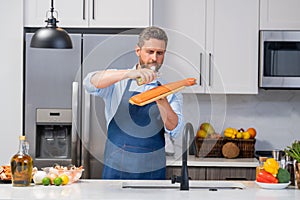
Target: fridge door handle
85,135
74,152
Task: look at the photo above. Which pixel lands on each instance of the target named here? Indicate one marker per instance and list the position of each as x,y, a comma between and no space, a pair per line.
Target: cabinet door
195,173
70,13
278,14
120,13
184,22
230,173
232,46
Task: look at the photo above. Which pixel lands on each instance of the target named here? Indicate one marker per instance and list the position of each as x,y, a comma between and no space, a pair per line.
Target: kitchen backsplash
275,114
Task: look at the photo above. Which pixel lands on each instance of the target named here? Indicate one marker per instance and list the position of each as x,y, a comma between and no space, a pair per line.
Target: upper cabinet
215,41
279,15
184,22
90,13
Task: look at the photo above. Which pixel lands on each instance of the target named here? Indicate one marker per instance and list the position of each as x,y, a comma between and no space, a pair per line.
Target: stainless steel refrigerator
62,122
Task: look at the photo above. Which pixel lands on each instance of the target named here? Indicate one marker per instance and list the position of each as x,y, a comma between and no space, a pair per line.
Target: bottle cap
263,159
22,137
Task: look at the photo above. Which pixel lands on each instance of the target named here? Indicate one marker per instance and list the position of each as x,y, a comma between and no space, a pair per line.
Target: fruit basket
74,173
208,147
246,146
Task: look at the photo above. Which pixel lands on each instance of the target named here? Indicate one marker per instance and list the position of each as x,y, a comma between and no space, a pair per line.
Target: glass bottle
260,166
21,165
139,80
289,166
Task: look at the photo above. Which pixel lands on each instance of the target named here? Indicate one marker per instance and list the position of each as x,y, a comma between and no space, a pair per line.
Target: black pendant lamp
51,36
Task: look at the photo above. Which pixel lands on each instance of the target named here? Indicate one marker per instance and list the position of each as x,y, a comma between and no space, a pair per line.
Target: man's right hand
147,75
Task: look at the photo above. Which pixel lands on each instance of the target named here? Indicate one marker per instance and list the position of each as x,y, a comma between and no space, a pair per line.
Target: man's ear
137,51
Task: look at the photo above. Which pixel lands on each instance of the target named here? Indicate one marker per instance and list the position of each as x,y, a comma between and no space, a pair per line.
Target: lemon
239,135
246,135
65,179
46,181
57,181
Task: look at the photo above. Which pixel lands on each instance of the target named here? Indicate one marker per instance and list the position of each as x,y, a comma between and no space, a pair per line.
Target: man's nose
154,56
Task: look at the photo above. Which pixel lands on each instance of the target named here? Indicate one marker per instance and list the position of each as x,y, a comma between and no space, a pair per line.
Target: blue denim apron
135,145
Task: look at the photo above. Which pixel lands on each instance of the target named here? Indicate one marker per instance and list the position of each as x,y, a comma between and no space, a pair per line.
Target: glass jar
260,166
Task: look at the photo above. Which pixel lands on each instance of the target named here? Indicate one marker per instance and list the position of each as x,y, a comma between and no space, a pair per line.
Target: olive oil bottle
21,165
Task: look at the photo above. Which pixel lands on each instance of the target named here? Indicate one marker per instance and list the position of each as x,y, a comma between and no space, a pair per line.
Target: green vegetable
294,150
283,176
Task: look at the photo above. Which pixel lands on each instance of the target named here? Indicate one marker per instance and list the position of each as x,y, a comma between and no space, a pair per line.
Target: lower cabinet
195,173
214,173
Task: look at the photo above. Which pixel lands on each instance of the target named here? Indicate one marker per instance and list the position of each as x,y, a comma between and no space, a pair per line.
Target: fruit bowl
74,173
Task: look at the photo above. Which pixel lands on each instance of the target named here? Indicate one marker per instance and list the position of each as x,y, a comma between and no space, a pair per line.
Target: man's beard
150,65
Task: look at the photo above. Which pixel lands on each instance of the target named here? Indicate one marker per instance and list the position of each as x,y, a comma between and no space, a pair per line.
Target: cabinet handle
209,70
200,68
83,13
151,12
93,14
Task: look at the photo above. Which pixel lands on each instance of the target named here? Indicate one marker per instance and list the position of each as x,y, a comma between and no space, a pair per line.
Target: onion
38,177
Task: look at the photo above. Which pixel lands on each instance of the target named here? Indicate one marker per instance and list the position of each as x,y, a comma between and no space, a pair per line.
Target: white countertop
213,162
108,189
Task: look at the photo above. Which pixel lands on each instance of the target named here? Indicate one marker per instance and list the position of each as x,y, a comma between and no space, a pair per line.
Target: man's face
152,53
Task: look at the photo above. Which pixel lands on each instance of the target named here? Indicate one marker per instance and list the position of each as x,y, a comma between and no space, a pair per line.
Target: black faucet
184,178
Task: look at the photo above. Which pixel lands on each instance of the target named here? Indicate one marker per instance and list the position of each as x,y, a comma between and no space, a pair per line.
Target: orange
252,132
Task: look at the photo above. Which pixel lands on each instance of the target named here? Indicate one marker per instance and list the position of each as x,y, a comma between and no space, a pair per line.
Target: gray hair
152,32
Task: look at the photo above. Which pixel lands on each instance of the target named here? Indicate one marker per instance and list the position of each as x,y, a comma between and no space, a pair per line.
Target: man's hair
152,32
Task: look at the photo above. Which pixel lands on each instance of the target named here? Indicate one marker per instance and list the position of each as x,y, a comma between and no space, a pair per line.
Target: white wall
11,54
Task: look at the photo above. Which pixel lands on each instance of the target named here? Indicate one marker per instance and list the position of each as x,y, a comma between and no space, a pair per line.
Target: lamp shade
51,37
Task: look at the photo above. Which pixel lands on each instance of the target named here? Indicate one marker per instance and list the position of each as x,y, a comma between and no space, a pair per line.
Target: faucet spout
188,131
184,178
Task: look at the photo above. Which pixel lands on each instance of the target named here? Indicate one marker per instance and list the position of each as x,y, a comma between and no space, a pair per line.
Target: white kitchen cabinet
279,15
90,13
232,46
215,38
184,22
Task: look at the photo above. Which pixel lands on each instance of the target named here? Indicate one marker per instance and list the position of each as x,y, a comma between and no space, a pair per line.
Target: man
135,138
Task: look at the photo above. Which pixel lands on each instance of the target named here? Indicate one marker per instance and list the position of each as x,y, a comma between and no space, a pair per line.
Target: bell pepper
266,177
271,166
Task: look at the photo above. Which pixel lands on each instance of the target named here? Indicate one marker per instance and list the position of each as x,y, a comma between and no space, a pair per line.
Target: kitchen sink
166,184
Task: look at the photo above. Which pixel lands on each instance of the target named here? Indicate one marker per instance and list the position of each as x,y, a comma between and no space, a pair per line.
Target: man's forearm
103,79
168,116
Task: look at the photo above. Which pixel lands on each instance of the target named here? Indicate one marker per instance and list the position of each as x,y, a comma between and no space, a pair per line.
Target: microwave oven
279,59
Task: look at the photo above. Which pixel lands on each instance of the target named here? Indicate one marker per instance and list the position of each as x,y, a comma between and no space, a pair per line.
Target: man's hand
147,75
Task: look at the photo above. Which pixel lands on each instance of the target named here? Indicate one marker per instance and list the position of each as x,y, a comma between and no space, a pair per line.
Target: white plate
274,186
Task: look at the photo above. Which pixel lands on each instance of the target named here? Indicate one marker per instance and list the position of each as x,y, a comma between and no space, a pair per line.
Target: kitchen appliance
62,122
279,59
